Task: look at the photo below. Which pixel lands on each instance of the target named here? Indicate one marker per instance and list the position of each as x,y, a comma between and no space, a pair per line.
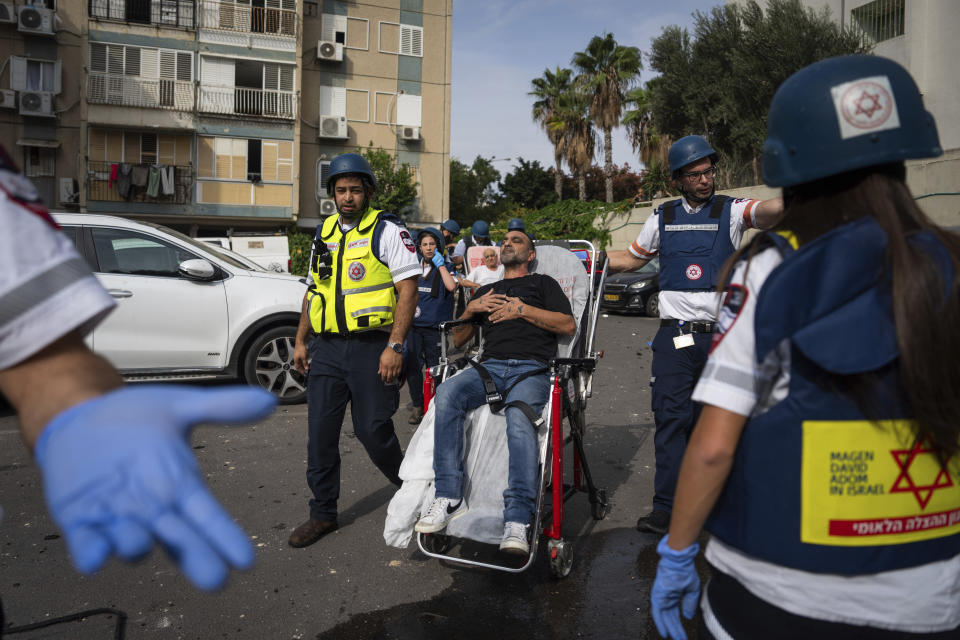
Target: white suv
187,311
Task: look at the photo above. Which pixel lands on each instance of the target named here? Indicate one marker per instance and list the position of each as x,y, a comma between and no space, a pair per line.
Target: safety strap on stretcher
495,398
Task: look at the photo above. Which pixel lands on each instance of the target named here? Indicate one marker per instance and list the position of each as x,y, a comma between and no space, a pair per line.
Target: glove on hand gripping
437,259
676,587
119,474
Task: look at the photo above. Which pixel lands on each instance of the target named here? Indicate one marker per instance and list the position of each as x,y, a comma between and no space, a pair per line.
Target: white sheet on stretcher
485,468
485,440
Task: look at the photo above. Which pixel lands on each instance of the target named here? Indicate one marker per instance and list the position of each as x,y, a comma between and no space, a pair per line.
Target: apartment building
922,36
41,62
190,112
377,73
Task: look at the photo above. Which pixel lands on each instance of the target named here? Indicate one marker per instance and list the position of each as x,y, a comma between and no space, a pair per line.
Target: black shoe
654,522
311,531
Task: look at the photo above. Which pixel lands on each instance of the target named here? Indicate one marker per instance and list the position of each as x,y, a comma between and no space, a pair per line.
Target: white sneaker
515,538
440,512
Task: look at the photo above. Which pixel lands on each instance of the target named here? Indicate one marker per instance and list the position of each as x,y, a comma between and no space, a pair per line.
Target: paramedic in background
693,236
118,472
356,314
479,236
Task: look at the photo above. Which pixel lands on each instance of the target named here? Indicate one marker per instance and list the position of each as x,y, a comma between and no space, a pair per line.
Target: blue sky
499,46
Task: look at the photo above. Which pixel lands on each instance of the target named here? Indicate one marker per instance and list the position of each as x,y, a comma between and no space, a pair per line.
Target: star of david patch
905,483
356,271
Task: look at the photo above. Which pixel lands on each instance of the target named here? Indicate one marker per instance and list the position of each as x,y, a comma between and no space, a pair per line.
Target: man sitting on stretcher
522,315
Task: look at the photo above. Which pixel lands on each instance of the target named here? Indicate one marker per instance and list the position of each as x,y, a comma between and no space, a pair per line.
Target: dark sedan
633,291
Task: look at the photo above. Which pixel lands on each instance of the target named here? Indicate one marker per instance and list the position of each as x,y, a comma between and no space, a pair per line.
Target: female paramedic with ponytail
434,305
825,463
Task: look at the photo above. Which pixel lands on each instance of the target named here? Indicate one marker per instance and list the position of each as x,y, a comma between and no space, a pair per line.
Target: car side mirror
197,269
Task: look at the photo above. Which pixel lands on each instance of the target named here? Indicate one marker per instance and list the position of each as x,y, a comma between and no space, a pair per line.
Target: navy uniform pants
675,373
422,349
344,370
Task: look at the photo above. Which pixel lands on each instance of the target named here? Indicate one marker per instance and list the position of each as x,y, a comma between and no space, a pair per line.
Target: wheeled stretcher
485,442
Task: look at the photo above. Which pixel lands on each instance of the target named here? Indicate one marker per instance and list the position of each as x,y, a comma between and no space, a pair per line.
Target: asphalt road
350,585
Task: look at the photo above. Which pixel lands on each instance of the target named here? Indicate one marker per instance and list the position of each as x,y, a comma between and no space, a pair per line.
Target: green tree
547,90
472,194
607,71
719,83
576,139
396,187
529,185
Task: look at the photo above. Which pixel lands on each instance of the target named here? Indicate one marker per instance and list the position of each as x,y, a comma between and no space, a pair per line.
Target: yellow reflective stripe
369,310
376,287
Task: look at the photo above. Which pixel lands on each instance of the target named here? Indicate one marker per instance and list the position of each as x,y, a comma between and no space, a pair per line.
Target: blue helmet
842,114
349,163
451,225
480,229
689,149
433,231
516,224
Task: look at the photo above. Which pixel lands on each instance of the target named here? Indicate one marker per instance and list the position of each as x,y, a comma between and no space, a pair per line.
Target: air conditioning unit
8,99
7,13
329,51
36,103
327,207
332,127
69,191
37,20
408,133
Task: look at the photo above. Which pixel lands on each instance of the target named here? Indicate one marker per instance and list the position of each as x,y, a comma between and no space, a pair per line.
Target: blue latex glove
119,474
437,259
676,588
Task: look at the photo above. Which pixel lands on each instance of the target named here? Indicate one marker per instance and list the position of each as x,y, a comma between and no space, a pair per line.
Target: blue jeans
464,392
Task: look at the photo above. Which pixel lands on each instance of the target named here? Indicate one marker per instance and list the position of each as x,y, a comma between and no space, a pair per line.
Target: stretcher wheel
601,507
436,542
561,557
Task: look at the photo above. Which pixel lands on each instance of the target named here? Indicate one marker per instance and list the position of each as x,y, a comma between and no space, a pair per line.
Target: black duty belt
690,327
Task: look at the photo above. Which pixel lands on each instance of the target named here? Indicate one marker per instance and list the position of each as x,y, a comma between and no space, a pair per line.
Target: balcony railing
104,183
134,91
227,16
266,103
172,13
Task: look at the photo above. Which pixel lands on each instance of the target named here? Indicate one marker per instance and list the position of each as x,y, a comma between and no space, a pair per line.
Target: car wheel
652,307
269,363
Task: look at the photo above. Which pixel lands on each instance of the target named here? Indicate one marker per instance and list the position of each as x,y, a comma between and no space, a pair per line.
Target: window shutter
148,148
268,161
217,72
286,78
132,61
328,27
148,63
18,73
271,76
184,66
408,110
411,40
223,147
168,64
115,59
98,57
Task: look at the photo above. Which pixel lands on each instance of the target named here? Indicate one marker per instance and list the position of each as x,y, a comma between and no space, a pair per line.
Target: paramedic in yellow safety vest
826,460
356,314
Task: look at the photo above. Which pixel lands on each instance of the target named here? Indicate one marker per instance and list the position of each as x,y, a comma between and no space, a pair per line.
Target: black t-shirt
518,339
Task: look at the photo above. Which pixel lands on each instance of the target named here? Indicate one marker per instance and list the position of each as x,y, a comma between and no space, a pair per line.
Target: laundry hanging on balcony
153,184
124,179
166,179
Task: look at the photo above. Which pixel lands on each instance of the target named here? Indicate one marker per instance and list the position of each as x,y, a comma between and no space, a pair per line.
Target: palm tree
575,135
547,90
607,69
637,120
